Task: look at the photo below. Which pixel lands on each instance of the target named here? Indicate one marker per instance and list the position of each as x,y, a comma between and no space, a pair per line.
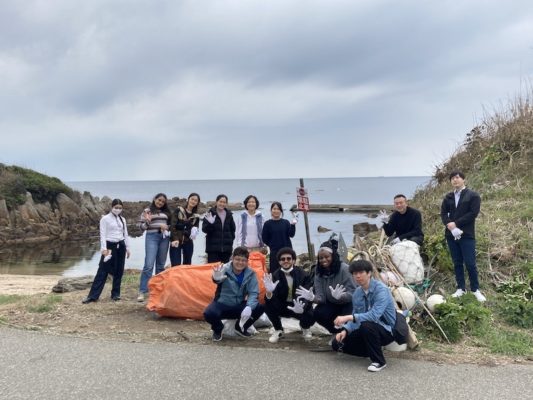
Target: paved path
38,366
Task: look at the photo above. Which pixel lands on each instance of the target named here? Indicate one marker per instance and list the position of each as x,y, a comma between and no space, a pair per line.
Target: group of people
345,299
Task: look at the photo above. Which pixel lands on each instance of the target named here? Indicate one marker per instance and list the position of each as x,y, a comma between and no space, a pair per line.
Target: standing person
115,248
281,300
219,229
154,220
370,325
277,233
184,224
250,226
458,212
333,286
405,223
236,296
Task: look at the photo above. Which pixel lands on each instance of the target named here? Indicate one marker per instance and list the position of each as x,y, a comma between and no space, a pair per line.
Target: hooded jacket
229,291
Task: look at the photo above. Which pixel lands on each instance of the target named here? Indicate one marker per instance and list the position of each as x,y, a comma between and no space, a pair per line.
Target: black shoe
89,300
217,337
115,298
241,332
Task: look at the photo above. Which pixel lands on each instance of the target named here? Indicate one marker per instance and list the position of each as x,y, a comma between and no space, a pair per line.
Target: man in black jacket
405,223
281,299
458,212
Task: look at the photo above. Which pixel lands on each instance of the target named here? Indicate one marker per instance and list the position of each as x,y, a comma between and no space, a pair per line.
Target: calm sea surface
81,258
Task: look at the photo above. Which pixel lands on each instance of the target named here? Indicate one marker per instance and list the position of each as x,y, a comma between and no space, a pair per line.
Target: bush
516,302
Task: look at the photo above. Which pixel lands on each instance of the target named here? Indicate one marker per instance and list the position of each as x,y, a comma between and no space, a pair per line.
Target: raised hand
305,294
298,307
219,274
338,291
269,285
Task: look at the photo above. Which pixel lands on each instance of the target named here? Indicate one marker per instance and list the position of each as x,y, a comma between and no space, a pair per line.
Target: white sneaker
375,367
306,333
458,293
479,296
140,297
275,336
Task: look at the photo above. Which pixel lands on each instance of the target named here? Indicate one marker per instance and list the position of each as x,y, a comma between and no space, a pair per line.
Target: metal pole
310,248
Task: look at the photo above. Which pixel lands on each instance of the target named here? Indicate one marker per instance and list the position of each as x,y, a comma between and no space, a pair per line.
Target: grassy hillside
16,181
497,158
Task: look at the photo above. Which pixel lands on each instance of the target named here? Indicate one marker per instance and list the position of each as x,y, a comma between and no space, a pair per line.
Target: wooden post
310,248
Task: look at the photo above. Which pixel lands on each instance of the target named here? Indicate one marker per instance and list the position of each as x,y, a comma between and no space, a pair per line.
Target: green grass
510,342
10,298
45,306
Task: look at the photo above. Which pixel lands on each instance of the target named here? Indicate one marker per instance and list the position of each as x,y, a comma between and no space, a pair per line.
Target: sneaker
458,293
306,333
275,336
479,296
240,332
140,297
376,367
115,298
217,337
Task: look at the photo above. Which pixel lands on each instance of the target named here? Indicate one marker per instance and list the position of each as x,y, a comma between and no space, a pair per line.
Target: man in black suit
458,212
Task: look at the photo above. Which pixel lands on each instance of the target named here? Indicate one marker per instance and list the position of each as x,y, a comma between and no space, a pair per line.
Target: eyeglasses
285,258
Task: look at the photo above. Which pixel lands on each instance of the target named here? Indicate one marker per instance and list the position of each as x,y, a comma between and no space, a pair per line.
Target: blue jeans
175,253
463,251
156,248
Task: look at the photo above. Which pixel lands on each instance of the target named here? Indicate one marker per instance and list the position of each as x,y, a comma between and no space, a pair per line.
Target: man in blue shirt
372,321
236,296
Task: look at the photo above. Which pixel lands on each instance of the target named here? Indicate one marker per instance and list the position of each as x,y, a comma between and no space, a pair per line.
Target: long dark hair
195,208
164,209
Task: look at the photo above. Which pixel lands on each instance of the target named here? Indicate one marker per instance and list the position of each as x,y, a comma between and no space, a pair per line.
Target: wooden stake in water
310,248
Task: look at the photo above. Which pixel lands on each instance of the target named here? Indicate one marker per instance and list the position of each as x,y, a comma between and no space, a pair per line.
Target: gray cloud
229,89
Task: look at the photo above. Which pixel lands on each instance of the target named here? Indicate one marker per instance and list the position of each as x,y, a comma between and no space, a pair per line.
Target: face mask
116,211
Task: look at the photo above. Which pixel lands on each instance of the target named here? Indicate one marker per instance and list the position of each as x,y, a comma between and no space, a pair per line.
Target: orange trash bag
185,291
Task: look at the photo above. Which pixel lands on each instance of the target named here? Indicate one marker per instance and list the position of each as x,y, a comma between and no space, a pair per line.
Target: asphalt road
39,366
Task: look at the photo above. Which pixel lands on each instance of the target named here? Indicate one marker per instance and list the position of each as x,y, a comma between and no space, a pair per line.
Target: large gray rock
67,206
72,284
28,211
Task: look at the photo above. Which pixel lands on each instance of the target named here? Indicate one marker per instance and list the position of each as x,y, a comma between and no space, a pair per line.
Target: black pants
325,314
214,256
115,267
216,312
276,309
367,341
187,248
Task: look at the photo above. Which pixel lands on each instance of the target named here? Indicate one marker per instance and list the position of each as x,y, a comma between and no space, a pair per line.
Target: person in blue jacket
236,296
371,324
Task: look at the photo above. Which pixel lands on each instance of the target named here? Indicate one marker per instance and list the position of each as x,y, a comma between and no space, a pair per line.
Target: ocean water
81,258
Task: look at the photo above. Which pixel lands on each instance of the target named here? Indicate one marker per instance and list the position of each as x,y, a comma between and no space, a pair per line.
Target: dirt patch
128,320
27,284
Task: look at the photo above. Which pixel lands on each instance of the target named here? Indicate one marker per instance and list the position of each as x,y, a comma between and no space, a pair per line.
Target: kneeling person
236,296
281,298
372,321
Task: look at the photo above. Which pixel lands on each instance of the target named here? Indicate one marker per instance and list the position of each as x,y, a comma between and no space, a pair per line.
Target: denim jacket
375,306
230,293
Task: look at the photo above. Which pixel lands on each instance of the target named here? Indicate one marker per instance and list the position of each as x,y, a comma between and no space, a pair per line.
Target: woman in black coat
219,229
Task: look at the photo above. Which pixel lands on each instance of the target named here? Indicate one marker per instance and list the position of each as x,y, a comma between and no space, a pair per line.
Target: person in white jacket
250,226
114,249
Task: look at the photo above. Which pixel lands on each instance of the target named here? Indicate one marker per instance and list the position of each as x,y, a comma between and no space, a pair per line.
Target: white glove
338,291
245,316
269,285
294,218
219,274
209,218
305,294
298,307
175,243
194,232
166,234
456,232
107,258
395,241
383,216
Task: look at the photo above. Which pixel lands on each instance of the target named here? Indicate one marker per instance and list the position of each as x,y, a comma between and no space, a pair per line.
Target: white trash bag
406,256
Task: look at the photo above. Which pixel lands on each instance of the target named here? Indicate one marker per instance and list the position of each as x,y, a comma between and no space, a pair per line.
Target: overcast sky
125,90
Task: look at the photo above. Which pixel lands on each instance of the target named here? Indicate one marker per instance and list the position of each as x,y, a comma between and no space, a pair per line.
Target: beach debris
322,229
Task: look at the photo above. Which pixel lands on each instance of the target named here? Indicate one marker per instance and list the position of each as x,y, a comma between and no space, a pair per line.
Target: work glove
245,316
297,308
209,218
338,291
395,241
165,234
456,232
107,258
383,216
305,294
194,232
219,274
269,285
294,218
175,243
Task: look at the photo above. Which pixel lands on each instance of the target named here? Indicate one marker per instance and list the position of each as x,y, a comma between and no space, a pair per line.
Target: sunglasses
285,258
